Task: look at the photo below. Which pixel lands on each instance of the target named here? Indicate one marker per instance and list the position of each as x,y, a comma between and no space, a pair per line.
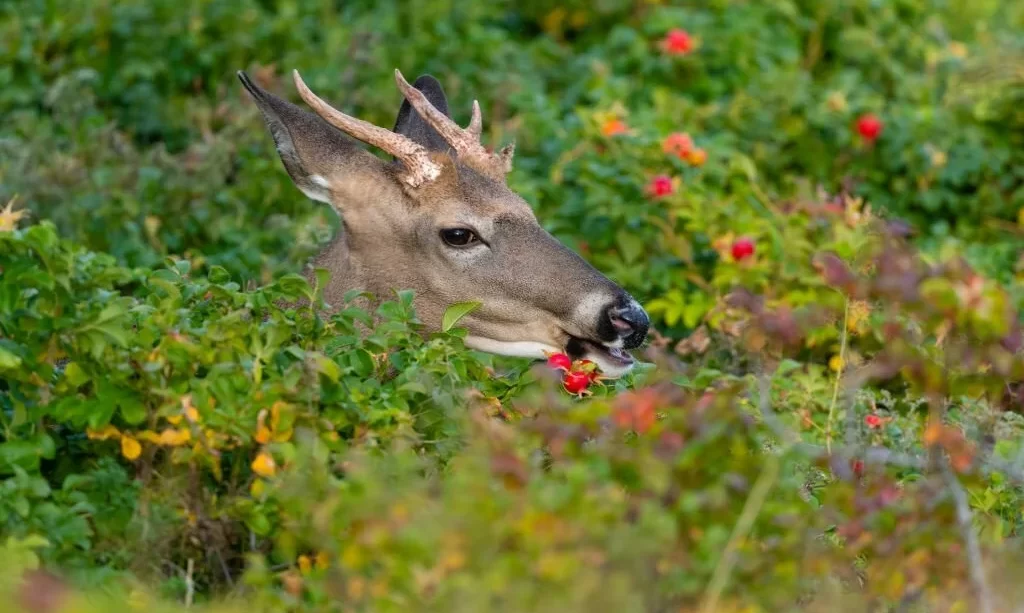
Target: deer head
440,220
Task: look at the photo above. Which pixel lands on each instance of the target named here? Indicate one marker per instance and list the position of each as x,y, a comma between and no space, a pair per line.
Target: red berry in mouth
576,382
559,361
873,421
869,126
742,249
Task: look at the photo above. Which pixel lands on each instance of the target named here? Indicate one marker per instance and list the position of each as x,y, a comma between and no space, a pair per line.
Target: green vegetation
821,205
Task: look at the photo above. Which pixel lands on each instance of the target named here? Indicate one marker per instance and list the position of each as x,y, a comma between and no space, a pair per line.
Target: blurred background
685,148
124,123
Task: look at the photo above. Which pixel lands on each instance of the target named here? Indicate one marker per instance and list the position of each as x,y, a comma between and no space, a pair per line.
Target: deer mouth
614,361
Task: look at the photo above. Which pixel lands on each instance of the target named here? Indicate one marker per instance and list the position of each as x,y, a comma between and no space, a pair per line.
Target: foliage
829,415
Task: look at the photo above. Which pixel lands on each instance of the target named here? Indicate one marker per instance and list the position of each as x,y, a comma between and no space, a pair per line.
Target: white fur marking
588,310
517,349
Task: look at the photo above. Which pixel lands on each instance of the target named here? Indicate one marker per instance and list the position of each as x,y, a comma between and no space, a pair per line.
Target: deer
439,219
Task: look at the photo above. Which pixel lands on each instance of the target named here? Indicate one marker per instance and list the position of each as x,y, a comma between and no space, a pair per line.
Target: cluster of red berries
577,376
680,145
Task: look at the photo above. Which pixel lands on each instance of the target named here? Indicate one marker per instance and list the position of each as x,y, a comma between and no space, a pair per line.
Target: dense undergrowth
828,418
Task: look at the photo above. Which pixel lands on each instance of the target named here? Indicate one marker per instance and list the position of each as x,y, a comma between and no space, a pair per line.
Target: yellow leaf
104,433
836,363
149,436
282,437
352,557
9,217
174,420
257,488
305,564
174,438
453,560
191,413
322,561
264,465
130,448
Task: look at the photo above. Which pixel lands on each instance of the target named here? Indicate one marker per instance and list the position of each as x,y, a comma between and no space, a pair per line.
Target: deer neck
336,258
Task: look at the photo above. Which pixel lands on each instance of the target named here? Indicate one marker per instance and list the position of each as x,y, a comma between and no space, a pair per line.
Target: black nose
630,322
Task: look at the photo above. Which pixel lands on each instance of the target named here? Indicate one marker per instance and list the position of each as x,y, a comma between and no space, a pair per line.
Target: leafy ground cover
821,204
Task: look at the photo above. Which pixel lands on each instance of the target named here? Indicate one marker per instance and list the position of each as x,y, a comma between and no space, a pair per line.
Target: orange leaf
263,435
264,465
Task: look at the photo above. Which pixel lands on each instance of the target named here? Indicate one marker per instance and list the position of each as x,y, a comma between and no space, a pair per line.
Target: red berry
873,421
678,144
660,185
743,248
858,467
559,361
576,382
677,42
869,126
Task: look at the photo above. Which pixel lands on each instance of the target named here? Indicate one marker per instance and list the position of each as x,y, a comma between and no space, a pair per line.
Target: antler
416,159
465,142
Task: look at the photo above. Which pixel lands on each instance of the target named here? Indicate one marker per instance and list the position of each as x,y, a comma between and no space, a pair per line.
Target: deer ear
413,126
312,150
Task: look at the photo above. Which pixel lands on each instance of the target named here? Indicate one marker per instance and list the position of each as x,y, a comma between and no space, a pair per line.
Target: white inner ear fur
321,195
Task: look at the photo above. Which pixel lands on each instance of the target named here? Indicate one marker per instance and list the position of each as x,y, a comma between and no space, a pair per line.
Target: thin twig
758,494
965,522
190,586
839,377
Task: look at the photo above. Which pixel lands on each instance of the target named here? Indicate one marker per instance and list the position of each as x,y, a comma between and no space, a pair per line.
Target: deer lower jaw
613,361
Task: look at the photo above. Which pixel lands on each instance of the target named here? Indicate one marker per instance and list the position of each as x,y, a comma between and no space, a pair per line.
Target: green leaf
630,244
326,366
362,362
295,286
74,374
8,361
457,311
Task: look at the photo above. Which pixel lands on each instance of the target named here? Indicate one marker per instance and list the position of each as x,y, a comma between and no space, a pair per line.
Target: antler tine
476,122
465,142
416,159
461,140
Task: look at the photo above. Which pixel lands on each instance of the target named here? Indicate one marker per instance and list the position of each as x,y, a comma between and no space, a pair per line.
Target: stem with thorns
839,376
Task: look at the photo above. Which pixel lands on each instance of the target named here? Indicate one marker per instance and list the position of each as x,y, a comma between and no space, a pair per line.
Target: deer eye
459,237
